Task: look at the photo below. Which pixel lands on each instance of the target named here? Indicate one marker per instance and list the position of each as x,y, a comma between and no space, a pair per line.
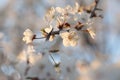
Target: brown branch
28,67
93,14
55,32
40,38
52,59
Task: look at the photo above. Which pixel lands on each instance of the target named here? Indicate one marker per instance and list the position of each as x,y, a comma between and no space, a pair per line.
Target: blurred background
18,15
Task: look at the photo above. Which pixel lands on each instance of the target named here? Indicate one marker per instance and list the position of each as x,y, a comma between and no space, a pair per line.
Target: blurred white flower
50,15
28,36
82,67
69,9
82,17
22,56
96,64
76,8
72,19
60,20
30,49
46,31
69,38
60,10
7,69
33,58
51,38
62,23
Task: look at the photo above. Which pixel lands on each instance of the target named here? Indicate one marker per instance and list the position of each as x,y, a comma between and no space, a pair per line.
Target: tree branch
95,8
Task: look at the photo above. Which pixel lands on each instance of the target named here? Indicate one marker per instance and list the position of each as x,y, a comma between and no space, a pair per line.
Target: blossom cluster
67,23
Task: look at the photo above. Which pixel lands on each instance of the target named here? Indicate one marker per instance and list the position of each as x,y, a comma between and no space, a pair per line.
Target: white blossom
33,58
69,9
28,36
76,8
69,38
51,38
46,31
60,20
7,69
61,23
82,17
30,49
60,10
50,15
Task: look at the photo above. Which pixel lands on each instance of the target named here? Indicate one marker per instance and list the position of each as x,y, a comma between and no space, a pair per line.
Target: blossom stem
52,33
40,38
52,58
55,32
95,8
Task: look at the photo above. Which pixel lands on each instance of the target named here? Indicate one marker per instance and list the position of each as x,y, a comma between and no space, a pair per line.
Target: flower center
70,37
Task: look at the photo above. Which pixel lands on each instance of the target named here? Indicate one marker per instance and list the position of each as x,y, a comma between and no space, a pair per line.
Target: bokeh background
18,15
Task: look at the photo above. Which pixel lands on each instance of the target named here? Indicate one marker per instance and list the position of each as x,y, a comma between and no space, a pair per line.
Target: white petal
64,34
48,30
24,39
66,42
73,43
51,38
76,6
59,10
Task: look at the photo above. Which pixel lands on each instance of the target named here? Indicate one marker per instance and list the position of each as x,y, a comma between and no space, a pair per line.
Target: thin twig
55,32
28,67
95,8
40,38
52,59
